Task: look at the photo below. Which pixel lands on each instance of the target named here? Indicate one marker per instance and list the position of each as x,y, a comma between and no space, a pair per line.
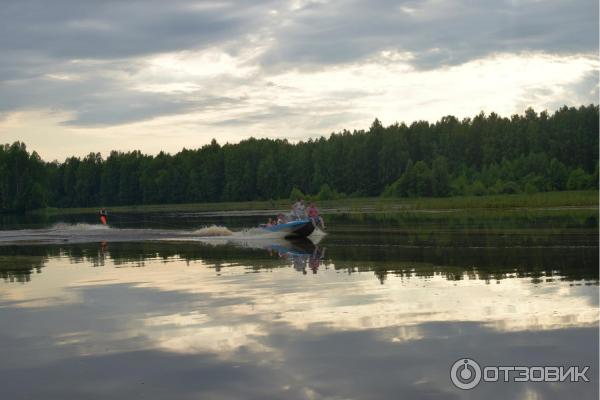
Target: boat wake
90,233
212,231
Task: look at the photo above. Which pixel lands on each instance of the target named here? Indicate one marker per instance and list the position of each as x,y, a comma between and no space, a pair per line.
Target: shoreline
544,201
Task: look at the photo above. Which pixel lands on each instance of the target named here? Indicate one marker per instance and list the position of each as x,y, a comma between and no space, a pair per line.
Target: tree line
487,154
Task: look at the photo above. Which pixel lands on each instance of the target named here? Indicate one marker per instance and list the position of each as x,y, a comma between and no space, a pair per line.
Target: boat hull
293,229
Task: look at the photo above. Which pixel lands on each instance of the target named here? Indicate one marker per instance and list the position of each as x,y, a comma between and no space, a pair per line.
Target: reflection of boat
300,245
301,252
293,229
296,247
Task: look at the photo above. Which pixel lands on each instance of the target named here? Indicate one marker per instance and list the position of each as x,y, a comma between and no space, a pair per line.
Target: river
380,307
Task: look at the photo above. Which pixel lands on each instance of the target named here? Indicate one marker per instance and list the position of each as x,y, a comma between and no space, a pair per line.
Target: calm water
380,308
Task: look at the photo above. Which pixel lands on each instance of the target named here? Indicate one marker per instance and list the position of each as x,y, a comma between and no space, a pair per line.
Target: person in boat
281,219
298,209
270,222
313,215
103,216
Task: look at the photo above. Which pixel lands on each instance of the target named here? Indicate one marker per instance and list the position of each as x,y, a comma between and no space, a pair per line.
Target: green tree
296,194
440,177
488,153
579,180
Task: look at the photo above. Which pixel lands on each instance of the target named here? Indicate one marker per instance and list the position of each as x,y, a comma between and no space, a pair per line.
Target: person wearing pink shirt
313,214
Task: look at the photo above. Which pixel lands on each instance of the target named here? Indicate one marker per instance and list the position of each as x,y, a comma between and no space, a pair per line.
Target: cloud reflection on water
183,329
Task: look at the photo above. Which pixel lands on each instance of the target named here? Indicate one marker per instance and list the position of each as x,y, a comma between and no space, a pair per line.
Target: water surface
379,308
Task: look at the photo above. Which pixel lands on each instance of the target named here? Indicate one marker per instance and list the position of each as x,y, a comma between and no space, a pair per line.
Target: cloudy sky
93,75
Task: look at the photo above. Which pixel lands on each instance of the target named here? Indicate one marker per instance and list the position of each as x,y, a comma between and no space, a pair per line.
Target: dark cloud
435,33
103,111
74,29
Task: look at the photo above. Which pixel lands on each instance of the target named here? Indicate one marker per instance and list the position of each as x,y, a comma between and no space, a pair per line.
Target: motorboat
292,229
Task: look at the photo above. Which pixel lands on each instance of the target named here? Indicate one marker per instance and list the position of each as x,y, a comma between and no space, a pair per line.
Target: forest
486,154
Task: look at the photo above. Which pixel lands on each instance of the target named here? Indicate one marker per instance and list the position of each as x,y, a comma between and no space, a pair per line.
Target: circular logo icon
465,373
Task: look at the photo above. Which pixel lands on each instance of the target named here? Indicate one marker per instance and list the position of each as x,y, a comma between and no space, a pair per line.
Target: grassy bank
565,199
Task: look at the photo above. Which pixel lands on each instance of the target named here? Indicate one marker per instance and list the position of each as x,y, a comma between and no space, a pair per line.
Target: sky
81,76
